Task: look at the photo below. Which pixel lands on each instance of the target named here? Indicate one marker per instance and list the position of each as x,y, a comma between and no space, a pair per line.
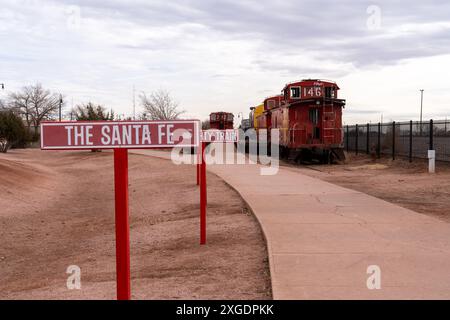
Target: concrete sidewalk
321,238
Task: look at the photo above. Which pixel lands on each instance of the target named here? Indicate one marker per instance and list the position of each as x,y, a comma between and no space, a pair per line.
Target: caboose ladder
328,123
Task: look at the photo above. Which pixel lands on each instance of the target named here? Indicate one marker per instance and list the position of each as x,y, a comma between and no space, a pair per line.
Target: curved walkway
322,238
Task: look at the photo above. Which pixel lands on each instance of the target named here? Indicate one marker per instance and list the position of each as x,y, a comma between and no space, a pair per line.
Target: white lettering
79,137
169,134
160,133
89,135
126,135
105,135
115,135
136,133
146,135
69,134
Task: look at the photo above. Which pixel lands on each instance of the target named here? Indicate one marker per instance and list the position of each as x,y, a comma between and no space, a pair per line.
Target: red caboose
221,120
309,116
270,104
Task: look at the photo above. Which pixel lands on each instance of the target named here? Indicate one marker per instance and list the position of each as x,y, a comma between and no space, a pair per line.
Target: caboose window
329,92
295,92
230,117
213,117
314,116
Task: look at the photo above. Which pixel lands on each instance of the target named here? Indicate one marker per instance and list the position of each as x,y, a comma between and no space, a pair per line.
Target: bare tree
159,106
34,104
19,102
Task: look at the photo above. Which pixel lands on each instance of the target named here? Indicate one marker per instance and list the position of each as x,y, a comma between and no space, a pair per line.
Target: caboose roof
310,82
220,112
278,96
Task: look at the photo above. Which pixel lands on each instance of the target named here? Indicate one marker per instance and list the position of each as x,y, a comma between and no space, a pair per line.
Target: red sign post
120,136
209,136
203,194
122,224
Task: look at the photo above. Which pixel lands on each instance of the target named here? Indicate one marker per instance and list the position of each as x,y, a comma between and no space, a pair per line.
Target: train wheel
326,157
282,152
304,156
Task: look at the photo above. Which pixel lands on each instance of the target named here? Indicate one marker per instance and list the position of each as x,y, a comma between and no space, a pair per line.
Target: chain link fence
410,139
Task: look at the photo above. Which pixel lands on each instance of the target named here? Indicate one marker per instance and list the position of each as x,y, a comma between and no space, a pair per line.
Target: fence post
346,140
410,140
393,140
356,139
368,139
379,141
431,135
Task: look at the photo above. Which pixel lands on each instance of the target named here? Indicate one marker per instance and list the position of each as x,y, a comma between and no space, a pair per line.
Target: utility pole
71,111
60,106
421,107
134,102
2,86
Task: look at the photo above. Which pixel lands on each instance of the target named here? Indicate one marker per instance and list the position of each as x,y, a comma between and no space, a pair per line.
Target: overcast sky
230,55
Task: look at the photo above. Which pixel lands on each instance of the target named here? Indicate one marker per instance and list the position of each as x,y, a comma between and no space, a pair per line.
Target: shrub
12,131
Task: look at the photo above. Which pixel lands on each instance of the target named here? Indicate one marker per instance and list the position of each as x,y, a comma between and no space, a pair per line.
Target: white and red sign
119,134
224,136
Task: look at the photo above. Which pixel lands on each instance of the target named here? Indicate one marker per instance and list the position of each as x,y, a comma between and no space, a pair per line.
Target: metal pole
122,224
431,135
346,142
203,196
198,164
368,139
379,141
393,140
421,107
356,139
60,106
134,102
410,140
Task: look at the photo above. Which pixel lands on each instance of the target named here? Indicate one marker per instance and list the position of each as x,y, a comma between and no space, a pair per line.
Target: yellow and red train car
308,114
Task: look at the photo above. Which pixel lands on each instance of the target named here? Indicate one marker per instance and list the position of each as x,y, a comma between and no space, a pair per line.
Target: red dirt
57,210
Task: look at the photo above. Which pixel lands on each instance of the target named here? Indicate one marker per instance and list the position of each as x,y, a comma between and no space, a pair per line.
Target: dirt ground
57,210
406,184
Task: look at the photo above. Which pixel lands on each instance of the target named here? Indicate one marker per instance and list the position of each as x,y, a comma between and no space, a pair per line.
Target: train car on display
221,120
265,119
308,114
255,113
